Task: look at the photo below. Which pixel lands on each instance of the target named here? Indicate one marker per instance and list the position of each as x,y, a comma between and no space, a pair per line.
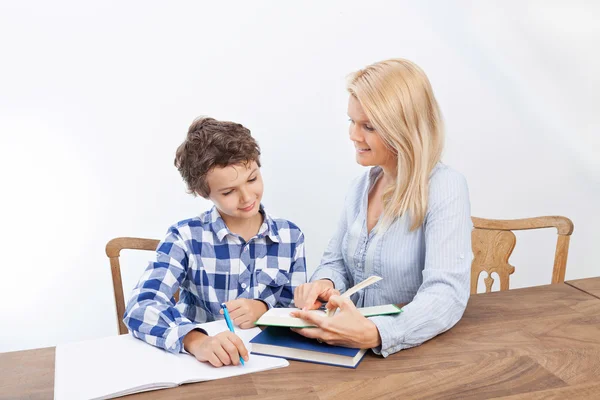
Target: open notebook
281,316
120,365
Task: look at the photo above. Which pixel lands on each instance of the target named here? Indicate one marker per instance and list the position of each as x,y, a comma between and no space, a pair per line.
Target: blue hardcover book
282,342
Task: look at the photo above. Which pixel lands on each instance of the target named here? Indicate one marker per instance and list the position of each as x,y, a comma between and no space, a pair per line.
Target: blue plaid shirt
210,265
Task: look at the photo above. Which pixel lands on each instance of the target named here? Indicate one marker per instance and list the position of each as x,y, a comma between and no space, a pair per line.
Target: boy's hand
224,348
310,296
245,312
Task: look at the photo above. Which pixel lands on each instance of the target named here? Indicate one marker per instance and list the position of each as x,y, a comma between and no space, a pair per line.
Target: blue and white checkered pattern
210,265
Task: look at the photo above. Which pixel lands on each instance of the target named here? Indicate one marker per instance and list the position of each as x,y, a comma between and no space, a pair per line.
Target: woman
407,220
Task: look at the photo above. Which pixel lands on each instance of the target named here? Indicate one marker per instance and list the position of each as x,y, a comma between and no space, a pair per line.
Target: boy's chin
243,215
248,214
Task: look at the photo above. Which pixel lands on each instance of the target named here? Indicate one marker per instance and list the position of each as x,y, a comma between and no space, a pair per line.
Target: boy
234,253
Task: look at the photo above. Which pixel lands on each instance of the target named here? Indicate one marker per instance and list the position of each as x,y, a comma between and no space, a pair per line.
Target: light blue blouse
429,268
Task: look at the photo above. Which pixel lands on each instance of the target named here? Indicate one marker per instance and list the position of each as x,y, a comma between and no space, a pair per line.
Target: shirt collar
268,227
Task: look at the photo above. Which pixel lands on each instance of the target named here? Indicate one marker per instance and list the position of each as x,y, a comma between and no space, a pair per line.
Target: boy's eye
226,193
252,179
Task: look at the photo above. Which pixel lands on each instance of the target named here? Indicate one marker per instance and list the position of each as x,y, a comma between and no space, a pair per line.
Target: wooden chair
493,242
113,251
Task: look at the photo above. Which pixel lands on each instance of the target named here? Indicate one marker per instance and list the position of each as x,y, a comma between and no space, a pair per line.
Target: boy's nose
244,196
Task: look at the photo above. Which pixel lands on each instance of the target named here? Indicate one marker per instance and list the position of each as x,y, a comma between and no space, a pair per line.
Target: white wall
95,98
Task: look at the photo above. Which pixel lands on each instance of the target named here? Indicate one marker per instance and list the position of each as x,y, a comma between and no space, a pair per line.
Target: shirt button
244,286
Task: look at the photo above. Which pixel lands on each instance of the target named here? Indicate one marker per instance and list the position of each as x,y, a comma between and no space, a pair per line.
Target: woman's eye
252,180
350,120
369,128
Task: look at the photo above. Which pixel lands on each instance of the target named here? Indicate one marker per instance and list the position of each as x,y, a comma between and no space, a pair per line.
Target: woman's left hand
348,328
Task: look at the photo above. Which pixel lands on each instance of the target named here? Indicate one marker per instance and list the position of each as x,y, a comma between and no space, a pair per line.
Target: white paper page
104,368
96,368
280,312
285,313
282,317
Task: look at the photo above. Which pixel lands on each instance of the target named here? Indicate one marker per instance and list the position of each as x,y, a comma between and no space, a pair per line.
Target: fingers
247,325
300,295
232,352
322,292
239,312
318,334
311,333
214,360
305,296
220,352
326,295
223,349
234,305
239,345
242,320
342,302
310,298
297,296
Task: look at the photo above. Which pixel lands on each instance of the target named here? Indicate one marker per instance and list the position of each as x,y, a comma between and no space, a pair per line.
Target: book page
118,365
281,316
285,312
104,368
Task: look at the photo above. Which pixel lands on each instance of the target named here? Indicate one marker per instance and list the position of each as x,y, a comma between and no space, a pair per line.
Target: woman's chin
365,162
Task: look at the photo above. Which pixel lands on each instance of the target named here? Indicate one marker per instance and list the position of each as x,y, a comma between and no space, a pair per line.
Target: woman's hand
348,328
224,348
245,312
310,296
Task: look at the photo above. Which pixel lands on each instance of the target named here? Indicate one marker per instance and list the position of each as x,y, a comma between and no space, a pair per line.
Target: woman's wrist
327,282
372,337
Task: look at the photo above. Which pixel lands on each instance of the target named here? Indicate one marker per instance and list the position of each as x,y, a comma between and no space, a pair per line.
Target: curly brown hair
209,144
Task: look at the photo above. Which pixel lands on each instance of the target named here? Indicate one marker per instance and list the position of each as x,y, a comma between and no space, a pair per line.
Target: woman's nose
355,135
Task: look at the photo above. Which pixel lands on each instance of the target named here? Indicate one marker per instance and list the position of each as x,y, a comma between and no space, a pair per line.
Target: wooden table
589,285
535,343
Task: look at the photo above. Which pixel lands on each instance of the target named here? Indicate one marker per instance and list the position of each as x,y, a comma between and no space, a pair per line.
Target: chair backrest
493,242
113,251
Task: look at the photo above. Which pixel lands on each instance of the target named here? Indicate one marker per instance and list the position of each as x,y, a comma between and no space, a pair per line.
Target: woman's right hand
310,296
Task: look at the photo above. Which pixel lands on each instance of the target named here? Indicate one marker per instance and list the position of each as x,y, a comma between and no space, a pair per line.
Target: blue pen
229,324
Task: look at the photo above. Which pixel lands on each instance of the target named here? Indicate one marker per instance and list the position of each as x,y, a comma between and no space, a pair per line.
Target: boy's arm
151,314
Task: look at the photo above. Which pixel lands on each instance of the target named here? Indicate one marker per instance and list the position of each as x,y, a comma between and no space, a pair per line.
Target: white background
96,96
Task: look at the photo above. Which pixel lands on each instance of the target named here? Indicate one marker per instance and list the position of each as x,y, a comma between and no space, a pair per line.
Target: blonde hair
397,98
